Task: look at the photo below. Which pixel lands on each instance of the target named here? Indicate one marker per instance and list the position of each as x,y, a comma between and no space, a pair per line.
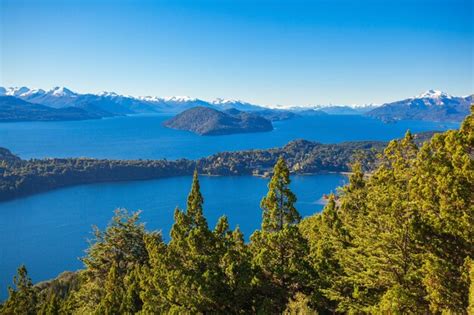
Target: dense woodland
400,241
19,177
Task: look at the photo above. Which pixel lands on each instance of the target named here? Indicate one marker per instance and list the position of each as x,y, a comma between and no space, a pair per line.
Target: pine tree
121,246
113,287
131,302
443,191
188,270
381,261
52,305
279,250
24,298
278,205
325,235
235,268
122,243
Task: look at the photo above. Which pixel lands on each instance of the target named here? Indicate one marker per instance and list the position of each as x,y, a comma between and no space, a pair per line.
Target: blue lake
49,231
143,137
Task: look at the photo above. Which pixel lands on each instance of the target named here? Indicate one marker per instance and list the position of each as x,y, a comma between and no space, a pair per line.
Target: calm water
47,232
144,137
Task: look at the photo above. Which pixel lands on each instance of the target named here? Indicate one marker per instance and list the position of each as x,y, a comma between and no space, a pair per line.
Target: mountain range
116,104
430,105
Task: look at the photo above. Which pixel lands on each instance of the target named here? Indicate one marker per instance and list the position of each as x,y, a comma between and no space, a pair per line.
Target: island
206,121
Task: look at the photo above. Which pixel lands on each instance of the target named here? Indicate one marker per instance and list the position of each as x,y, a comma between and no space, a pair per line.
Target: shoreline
25,195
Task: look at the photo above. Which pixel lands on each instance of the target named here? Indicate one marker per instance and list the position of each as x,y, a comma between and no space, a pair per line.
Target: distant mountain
330,109
220,103
276,114
346,110
15,109
207,121
431,105
111,103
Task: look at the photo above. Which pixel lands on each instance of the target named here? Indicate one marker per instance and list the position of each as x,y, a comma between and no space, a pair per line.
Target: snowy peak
15,91
174,99
109,94
433,94
223,101
61,92
149,98
180,99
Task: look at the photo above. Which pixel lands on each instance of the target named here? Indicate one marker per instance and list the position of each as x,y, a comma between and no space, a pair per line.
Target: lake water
48,231
143,137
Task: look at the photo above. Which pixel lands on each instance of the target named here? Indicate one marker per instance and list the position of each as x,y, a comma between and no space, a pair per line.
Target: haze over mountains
430,105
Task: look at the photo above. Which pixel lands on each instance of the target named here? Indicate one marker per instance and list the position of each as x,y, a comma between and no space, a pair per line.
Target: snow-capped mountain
237,104
432,105
429,105
117,104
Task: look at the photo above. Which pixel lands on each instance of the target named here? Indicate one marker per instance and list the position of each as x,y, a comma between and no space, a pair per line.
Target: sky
291,53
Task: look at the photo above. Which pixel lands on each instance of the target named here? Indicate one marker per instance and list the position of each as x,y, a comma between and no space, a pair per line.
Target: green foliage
19,177
278,205
52,305
23,298
398,240
279,250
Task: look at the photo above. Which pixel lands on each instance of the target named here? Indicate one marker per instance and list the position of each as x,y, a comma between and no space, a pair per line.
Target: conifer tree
381,263
235,268
325,234
24,298
188,270
131,302
51,306
113,287
278,249
279,204
443,191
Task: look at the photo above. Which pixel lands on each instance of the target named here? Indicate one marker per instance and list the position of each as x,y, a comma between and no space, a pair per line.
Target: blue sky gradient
265,52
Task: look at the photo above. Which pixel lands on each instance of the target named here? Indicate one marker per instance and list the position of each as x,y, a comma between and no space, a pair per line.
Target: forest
397,241
24,177
19,178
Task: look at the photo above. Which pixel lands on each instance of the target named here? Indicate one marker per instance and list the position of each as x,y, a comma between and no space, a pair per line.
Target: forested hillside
400,241
19,177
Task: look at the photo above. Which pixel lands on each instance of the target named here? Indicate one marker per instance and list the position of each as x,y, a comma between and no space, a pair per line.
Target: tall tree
187,271
443,191
381,263
113,297
235,286
24,298
121,246
279,204
278,249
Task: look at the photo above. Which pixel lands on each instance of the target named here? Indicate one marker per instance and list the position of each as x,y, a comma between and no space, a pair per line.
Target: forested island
206,121
25,177
400,241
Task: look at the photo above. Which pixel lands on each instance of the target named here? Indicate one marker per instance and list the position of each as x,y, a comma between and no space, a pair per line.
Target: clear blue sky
267,52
